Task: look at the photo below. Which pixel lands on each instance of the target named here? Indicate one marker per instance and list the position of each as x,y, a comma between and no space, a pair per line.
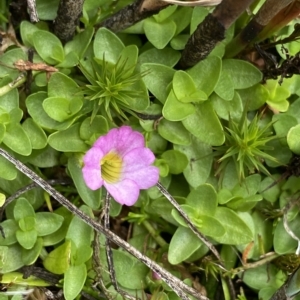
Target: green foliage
245,145
220,134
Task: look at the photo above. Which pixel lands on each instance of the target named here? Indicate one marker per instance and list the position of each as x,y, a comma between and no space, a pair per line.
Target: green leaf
91,130
30,256
163,167
63,86
262,277
34,104
27,223
9,228
17,140
129,55
282,241
175,110
165,14
90,198
18,279
206,74
130,272
23,209
37,136
200,161
67,140
26,239
183,244
176,160
81,236
282,124
48,46
159,34
278,96
59,235
108,44
8,59
207,225
47,223
58,260
11,258
242,73
205,125
174,132
158,79
74,280
224,88
44,158
210,226
9,101
236,230
47,10
9,171
203,199
26,31
255,97
185,90
263,237
199,14
167,56
293,286
79,44
61,109
293,139
224,109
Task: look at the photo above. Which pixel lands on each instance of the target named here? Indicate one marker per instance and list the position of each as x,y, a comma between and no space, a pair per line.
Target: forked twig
201,237
195,230
179,287
109,253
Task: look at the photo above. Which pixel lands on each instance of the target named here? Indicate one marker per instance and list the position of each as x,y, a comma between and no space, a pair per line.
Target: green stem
14,84
160,241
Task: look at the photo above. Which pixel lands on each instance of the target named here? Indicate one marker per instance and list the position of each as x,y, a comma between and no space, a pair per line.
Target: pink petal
125,192
145,177
137,158
92,177
93,157
128,140
108,142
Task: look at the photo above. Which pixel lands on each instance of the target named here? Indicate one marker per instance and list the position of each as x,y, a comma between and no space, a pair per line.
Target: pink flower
120,162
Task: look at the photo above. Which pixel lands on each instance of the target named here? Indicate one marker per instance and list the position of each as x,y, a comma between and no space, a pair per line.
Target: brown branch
133,13
211,31
251,32
68,14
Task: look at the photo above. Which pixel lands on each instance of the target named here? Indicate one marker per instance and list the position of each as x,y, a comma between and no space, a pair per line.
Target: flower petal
145,177
92,177
93,157
125,191
137,158
108,142
128,140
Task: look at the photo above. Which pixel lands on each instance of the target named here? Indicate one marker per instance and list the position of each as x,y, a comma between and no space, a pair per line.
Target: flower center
111,167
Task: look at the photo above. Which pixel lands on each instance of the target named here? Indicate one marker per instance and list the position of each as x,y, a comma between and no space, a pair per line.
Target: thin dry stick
97,266
27,188
196,232
32,11
109,254
201,237
179,287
